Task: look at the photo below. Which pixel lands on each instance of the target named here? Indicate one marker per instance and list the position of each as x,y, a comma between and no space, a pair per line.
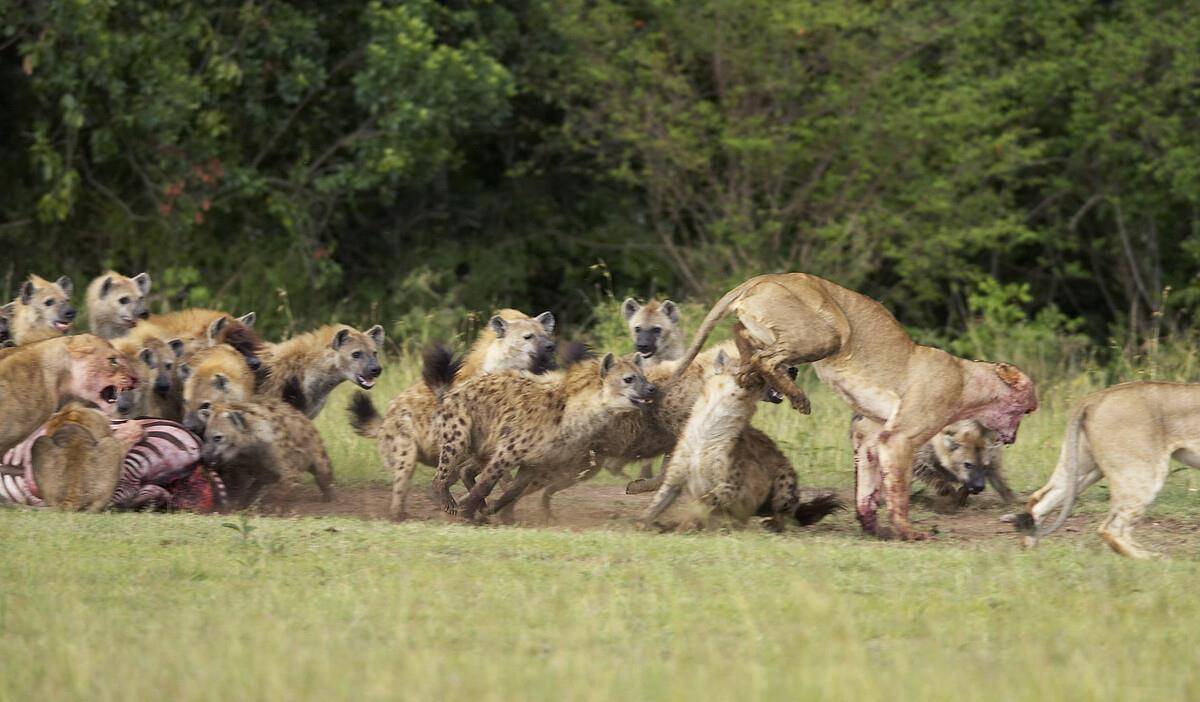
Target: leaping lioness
857,348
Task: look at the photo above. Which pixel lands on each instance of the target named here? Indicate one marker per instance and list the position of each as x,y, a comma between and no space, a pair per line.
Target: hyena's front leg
995,478
526,481
502,462
322,470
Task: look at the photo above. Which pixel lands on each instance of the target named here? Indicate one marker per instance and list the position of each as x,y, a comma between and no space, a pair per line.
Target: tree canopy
398,161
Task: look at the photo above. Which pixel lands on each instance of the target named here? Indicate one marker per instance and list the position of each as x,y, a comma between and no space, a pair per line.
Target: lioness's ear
142,280
28,290
629,308
606,364
498,325
177,346
340,338
546,319
69,433
215,328
1011,375
248,319
671,310
66,285
375,334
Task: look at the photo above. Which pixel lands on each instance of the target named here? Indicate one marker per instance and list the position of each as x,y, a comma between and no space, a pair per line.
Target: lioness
908,391
1128,434
36,380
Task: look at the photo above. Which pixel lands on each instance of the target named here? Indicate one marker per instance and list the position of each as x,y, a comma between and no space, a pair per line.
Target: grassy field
127,606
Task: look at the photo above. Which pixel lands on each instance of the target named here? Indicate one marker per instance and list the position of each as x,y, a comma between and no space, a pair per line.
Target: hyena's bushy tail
364,418
575,352
439,365
816,509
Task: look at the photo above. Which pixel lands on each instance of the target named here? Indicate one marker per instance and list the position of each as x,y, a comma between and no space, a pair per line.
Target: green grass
137,606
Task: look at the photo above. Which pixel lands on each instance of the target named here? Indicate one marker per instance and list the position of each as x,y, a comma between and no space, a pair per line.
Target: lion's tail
715,315
1071,464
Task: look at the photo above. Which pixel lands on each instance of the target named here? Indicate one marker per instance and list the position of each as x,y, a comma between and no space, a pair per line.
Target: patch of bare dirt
591,506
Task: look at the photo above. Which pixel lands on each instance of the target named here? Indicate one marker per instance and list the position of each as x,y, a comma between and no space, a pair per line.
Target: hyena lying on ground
115,303
508,420
955,464
42,310
254,445
707,461
407,433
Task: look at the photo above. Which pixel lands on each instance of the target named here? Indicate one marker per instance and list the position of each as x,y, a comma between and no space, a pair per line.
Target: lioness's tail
1025,521
714,315
818,508
364,418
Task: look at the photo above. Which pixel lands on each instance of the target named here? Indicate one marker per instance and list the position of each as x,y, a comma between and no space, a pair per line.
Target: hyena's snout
976,478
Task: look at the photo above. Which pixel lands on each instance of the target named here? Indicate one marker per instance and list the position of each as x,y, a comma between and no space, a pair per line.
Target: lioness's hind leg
1130,492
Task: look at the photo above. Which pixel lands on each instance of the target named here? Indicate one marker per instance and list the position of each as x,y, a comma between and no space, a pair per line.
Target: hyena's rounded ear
606,364
106,286
215,328
238,420
671,309
177,346
340,338
629,308
65,284
375,334
639,360
185,371
220,382
546,319
720,361
498,326
248,319
28,290
142,280
146,356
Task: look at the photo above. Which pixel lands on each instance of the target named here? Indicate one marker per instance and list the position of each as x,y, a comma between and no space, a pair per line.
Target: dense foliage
409,161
